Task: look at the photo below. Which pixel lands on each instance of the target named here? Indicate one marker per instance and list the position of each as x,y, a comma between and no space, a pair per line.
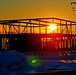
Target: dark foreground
69,72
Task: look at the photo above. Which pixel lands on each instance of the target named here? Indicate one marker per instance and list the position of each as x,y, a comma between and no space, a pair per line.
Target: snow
15,63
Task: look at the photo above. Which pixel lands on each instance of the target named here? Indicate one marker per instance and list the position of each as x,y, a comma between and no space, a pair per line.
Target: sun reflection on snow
74,61
68,61
63,61
66,53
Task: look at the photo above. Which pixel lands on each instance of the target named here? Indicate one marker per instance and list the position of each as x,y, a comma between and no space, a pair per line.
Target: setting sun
52,27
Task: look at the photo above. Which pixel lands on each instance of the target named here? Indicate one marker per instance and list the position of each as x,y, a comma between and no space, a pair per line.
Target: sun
52,27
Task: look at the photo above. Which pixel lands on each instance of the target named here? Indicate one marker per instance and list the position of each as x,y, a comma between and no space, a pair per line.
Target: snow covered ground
15,63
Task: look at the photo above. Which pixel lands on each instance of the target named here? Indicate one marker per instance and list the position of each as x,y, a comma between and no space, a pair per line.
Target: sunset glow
52,27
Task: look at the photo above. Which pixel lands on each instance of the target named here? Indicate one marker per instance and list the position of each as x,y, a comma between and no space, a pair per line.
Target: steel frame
64,36
30,25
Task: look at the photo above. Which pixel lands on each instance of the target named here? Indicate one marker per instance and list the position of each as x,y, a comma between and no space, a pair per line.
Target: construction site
32,35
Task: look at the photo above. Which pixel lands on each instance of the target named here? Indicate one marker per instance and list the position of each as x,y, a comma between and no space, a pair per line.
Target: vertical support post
66,33
63,42
71,28
61,33
26,28
39,28
3,29
66,28
10,28
71,34
33,28
19,28
60,27
46,28
30,26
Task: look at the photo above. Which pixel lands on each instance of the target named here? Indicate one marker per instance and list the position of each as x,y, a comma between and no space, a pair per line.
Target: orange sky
15,9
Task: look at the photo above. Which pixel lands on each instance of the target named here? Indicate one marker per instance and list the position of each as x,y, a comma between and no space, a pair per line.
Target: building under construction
27,35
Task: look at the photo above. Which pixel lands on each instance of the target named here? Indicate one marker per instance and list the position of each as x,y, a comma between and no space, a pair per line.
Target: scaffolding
36,34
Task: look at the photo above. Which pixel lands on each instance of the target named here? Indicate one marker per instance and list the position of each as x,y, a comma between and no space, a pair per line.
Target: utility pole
73,4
